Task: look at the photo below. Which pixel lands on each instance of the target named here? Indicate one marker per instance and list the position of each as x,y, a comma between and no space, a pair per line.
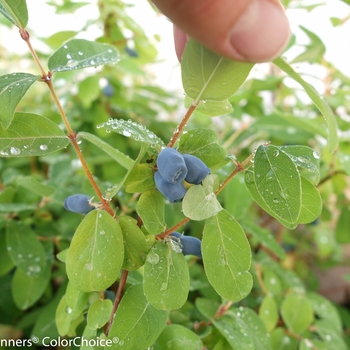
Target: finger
247,30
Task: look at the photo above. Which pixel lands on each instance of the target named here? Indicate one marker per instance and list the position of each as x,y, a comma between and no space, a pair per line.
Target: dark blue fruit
190,245
171,165
197,171
131,52
78,203
108,90
173,192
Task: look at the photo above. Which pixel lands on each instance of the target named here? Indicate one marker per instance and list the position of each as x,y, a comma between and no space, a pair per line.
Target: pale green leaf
200,201
96,252
268,312
81,53
122,159
227,256
137,324
318,101
332,337
12,88
166,279
99,313
208,76
140,179
35,186
150,208
31,135
311,202
15,11
342,232
211,107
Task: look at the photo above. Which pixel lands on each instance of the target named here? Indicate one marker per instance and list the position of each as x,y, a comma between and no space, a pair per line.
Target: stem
223,309
117,299
260,279
172,229
182,125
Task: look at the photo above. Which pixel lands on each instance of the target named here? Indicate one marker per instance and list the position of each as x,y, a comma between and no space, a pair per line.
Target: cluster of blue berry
173,169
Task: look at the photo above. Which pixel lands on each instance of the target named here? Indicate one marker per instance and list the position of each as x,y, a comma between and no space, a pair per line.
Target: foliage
274,208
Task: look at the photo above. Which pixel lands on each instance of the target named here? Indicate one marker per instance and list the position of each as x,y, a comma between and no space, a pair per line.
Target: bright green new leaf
297,312
96,252
15,11
311,202
342,232
26,290
272,282
265,237
140,179
177,337
268,312
137,324
304,157
121,158
202,143
150,208
282,341
320,103
278,183
166,280
26,251
200,201
31,135
227,256
81,53
208,76
99,313
135,245
133,130
35,186
12,88
211,108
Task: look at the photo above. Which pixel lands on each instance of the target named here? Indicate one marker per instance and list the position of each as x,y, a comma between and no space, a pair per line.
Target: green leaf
12,88
81,53
202,143
166,279
268,312
342,233
304,157
15,11
26,251
200,201
297,313
324,309
318,101
208,76
26,290
137,324
35,186
140,179
6,263
15,207
264,237
211,107
332,338
311,202
281,341
31,135
227,256
96,252
99,313
122,159
135,245
150,208
177,337
278,183
133,130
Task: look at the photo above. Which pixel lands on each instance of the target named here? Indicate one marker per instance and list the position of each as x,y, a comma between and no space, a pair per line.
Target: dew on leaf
80,53
15,151
89,266
69,310
43,147
163,287
316,155
153,258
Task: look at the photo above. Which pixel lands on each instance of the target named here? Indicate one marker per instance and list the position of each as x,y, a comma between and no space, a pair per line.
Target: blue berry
173,192
190,245
78,203
108,90
197,171
171,165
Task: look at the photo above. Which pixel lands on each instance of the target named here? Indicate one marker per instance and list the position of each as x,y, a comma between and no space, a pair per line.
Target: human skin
244,30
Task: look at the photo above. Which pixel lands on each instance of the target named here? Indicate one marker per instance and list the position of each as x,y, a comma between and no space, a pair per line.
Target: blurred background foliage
265,109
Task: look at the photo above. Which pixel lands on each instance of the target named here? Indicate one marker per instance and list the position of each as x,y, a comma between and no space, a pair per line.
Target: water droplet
19,256
276,200
316,155
98,274
65,46
72,63
69,56
126,133
34,269
9,248
266,312
102,232
272,281
69,310
43,147
89,266
15,151
249,178
80,53
163,287
153,258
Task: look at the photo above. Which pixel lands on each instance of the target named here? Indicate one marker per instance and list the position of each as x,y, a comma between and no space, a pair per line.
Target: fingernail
261,33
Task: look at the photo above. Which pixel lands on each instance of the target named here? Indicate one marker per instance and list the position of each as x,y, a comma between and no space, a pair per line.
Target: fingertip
180,40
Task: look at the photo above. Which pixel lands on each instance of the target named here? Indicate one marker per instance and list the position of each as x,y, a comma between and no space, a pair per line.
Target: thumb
245,30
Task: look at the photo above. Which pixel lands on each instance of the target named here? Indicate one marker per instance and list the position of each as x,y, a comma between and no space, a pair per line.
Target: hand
244,30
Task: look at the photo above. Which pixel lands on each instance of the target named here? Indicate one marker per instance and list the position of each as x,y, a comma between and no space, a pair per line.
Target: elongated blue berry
197,171
190,245
171,165
78,203
173,192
